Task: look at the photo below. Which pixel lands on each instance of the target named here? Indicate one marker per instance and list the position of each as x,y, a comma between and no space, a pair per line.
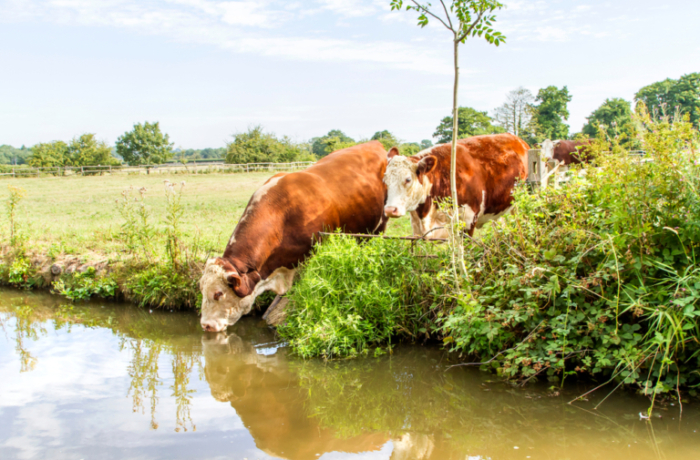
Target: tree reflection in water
143,371
148,339
182,365
24,330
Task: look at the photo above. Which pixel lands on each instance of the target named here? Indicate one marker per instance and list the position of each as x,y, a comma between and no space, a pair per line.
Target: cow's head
407,186
226,294
548,148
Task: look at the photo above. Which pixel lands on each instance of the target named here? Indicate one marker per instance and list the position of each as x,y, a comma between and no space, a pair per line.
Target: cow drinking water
343,190
487,169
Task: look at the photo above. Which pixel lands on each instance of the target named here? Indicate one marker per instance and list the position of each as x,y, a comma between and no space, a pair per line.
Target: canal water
104,380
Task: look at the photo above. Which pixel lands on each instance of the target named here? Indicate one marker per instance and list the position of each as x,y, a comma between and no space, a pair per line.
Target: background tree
256,146
615,116
464,19
426,144
409,148
204,154
387,139
334,140
550,113
145,145
665,96
471,123
86,150
515,115
49,154
14,156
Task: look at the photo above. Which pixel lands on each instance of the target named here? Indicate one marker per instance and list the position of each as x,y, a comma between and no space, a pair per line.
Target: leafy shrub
20,272
82,286
353,296
162,286
597,278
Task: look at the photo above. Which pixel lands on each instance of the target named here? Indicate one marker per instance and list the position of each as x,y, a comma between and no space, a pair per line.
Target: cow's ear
233,279
392,153
426,165
242,285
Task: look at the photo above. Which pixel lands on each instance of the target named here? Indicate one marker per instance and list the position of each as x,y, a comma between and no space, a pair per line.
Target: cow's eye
217,295
408,180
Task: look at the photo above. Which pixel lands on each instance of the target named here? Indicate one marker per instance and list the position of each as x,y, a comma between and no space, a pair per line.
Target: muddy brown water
103,380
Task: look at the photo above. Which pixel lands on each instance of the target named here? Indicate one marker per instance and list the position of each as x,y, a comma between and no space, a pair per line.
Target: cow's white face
548,148
405,192
221,307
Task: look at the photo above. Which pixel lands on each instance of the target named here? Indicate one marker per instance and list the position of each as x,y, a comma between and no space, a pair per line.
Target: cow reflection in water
255,378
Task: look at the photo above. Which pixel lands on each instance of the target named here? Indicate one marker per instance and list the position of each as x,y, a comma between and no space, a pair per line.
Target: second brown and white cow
559,154
487,170
567,152
342,191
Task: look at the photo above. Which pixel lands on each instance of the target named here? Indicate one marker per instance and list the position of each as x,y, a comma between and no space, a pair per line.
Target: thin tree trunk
455,133
456,229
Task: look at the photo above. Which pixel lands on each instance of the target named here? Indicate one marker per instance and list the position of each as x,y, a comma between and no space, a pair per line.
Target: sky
207,69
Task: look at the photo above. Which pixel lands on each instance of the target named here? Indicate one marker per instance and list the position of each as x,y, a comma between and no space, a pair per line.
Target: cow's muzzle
212,326
392,211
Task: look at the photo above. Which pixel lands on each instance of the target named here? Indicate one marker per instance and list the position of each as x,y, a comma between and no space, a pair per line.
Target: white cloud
356,8
241,26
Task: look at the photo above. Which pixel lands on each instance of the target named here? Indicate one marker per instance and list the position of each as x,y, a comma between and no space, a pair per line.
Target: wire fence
170,168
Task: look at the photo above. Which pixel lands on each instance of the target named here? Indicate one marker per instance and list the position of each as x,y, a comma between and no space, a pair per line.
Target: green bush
82,286
354,296
599,277
163,286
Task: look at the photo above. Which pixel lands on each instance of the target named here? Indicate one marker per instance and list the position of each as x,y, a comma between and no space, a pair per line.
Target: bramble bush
598,277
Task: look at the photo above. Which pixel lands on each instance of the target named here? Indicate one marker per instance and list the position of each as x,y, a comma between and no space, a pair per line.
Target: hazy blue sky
206,69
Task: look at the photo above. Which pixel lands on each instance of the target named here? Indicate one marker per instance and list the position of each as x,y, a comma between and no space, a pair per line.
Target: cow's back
341,191
499,154
571,152
487,168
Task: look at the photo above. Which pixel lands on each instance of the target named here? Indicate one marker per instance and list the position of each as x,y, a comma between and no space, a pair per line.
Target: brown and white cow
343,190
559,154
566,152
487,169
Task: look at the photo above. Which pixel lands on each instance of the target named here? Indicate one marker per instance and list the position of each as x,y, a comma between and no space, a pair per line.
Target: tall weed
16,195
353,296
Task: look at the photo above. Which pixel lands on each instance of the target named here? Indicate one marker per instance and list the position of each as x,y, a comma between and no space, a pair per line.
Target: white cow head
226,295
548,148
407,186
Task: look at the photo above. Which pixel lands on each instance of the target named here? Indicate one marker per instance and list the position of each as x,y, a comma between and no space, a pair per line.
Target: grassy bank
143,238
598,278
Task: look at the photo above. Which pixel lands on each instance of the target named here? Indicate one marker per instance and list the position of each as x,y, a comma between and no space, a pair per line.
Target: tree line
533,117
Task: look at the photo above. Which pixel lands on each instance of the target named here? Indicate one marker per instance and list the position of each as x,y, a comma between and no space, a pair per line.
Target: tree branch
447,14
425,10
469,30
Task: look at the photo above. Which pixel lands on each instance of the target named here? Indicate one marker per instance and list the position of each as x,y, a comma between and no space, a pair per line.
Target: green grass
155,265
79,214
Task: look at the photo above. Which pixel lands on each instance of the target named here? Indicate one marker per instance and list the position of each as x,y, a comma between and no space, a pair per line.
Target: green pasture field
76,215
